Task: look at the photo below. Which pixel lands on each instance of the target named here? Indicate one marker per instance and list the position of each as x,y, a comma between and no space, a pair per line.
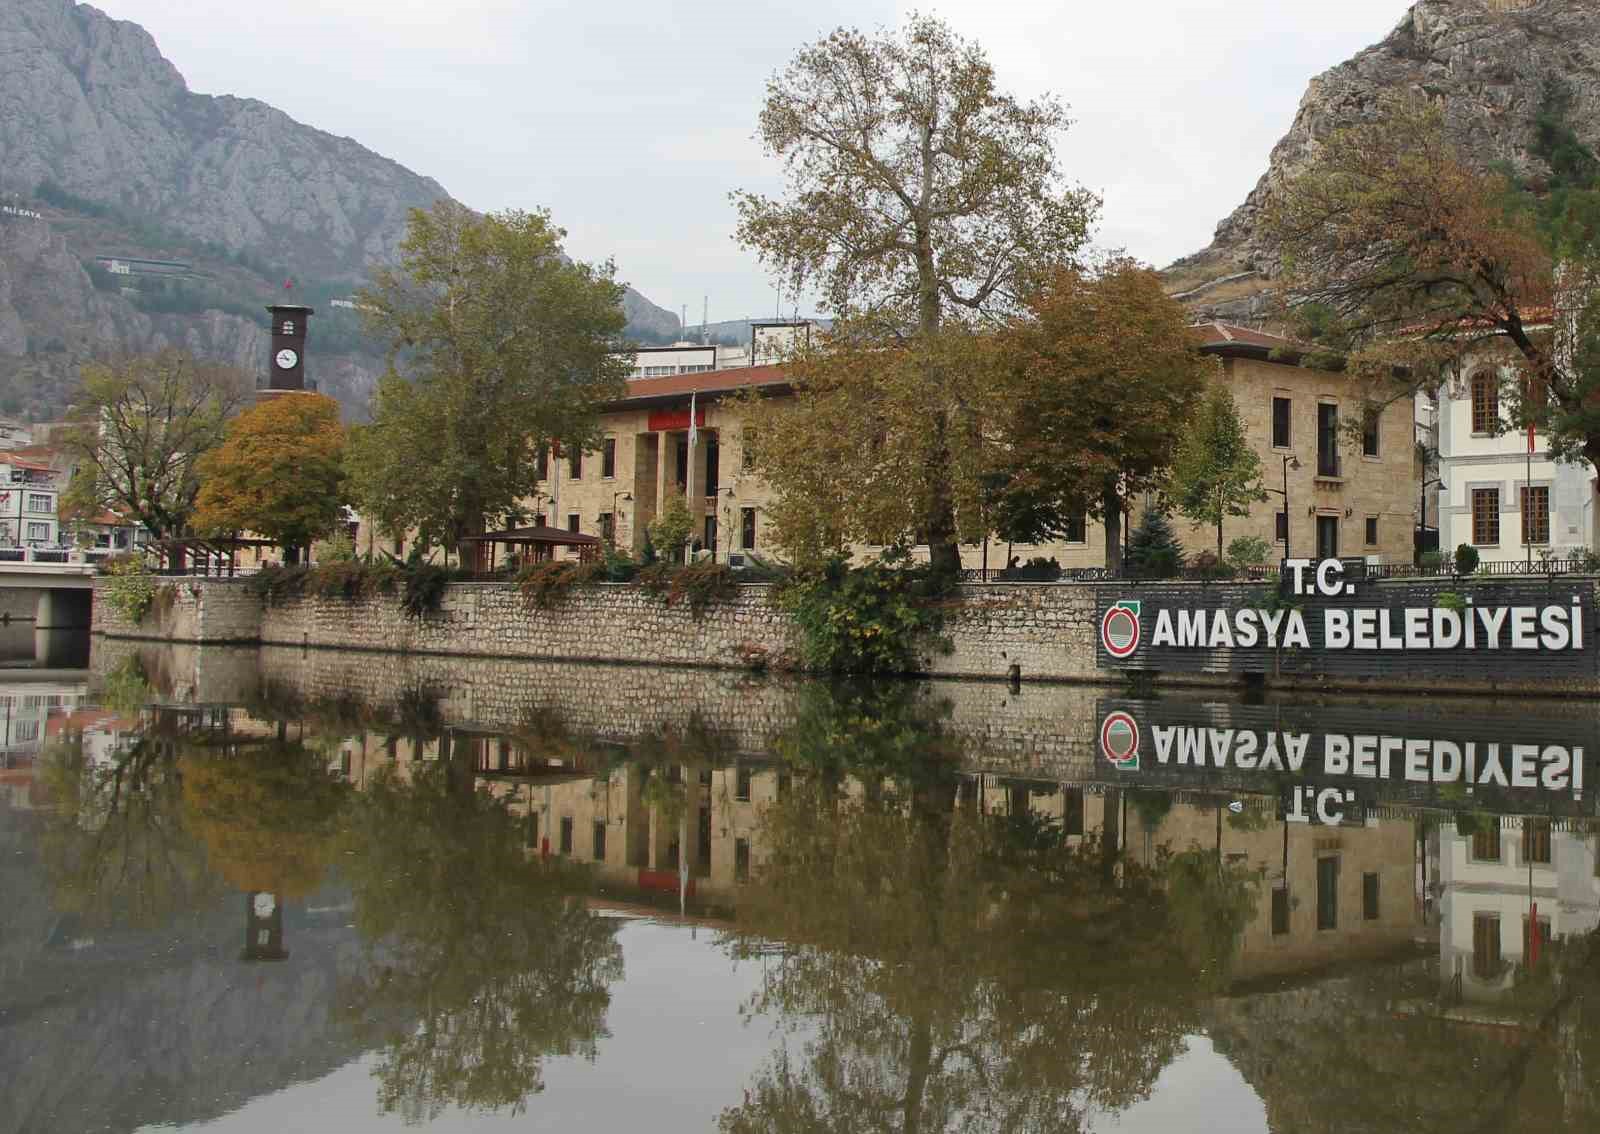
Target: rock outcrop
1487,63
105,150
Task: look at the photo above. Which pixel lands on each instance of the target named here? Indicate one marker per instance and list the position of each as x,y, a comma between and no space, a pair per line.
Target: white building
28,496
771,341
1496,497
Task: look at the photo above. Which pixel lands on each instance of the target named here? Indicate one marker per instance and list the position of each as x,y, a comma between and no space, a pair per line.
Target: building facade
1343,498
1499,493
29,492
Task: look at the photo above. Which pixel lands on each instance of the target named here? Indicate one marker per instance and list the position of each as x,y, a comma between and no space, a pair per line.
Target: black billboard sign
1324,621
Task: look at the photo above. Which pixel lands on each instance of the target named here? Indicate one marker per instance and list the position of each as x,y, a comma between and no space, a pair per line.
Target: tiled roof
1216,335
706,382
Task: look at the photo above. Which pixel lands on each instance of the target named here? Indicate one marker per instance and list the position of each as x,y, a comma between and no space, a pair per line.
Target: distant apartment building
770,342
29,491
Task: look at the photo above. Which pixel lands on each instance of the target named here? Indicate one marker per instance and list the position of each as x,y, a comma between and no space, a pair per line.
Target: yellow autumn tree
279,472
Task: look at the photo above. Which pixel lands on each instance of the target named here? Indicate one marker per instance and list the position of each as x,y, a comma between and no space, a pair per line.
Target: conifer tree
1153,547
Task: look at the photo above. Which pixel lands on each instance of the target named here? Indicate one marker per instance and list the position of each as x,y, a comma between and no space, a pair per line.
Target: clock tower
286,369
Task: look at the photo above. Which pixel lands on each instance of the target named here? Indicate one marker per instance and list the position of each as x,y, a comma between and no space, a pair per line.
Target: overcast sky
631,122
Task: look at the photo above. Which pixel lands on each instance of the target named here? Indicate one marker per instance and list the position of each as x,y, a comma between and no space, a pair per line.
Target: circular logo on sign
1119,632
1119,738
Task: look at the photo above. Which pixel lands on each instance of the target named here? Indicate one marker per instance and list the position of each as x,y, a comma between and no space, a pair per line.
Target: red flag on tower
288,285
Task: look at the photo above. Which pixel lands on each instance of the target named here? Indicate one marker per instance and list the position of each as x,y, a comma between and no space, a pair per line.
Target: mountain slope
1487,63
102,139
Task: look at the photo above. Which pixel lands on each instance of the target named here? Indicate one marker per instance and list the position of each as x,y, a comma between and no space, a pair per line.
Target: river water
264,890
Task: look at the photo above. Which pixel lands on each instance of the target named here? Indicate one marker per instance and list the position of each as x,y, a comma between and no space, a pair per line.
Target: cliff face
102,139
1487,63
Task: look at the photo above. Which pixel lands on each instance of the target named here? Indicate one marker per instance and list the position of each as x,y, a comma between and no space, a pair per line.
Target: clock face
265,904
287,358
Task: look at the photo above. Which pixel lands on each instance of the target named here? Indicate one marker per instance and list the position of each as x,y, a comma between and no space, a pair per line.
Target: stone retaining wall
1046,630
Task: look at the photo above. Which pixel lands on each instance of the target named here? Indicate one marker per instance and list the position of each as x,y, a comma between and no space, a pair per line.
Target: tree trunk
919,1065
469,522
1111,506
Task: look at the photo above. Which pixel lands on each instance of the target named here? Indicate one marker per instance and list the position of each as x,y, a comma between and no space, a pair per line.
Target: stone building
1330,495
1343,498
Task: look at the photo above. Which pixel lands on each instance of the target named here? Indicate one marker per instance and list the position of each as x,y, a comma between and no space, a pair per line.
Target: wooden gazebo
540,542
192,555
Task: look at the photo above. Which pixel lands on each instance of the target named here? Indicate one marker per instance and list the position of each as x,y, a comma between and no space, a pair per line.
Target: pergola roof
541,534
215,544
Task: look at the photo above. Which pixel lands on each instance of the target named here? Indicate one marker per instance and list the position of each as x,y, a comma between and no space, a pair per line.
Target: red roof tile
1215,335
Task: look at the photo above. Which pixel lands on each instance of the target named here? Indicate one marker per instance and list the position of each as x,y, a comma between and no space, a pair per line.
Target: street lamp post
615,514
1290,461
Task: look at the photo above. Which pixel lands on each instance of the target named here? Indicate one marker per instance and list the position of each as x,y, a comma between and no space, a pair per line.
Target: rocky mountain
106,154
1487,63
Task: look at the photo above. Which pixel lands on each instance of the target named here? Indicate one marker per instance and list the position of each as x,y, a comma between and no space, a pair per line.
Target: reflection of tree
489,953
950,970
118,848
268,814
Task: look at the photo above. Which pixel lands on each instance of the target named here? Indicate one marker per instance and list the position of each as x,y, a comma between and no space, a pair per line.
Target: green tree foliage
1217,473
669,531
920,197
279,472
484,963
497,344
882,617
1101,380
864,451
139,431
1153,548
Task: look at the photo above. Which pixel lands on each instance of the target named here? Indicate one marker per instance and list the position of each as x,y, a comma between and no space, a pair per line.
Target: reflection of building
27,709
1329,893
1492,877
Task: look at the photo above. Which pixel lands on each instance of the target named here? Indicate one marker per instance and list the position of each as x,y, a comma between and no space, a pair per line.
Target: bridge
64,578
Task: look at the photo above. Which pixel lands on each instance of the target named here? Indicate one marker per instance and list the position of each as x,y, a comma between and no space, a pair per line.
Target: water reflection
962,910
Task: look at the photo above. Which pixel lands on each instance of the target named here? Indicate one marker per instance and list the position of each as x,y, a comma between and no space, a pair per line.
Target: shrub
700,583
422,590
337,548
1246,552
1466,559
619,566
872,619
546,584
420,584
130,588
1449,600
1208,566
1431,560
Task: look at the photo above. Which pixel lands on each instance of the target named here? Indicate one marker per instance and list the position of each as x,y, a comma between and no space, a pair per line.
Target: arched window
1485,403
